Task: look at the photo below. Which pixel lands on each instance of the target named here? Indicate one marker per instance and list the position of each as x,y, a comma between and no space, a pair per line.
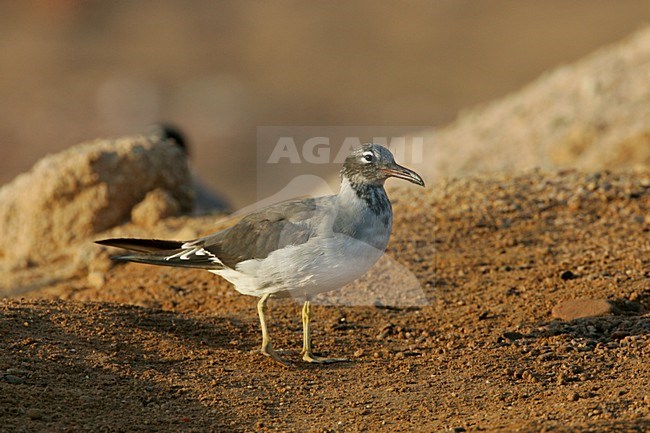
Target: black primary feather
142,245
163,259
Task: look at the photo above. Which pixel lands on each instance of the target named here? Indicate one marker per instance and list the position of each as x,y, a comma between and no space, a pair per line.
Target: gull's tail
163,253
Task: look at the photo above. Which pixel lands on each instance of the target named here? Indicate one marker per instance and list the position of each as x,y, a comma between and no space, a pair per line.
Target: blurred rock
157,205
581,308
68,197
96,280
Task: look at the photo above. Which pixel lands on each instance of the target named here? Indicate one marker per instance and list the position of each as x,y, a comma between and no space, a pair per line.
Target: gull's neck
372,195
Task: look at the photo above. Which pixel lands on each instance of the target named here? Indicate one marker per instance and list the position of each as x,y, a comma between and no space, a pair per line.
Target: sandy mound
48,213
592,114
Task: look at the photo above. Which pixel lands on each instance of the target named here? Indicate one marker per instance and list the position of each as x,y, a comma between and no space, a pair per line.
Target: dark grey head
372,164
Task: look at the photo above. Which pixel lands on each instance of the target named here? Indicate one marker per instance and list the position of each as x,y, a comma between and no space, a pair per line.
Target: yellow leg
267,348
307,354
306,329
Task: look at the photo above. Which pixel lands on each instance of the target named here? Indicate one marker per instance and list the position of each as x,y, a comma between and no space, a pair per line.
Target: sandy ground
158,349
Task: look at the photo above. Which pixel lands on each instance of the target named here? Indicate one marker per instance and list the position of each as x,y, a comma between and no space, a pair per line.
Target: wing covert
259,234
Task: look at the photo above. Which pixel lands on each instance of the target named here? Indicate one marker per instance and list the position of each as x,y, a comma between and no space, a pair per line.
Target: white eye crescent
368,157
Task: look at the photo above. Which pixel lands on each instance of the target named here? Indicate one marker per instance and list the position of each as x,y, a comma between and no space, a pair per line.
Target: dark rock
513,335
573,396
568,275
14,380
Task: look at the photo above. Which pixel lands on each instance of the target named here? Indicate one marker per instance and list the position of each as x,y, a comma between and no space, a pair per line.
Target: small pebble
34,414
568,275
513,335
617,335
544,357
14,380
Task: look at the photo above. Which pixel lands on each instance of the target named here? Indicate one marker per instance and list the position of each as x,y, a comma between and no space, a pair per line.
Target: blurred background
74,70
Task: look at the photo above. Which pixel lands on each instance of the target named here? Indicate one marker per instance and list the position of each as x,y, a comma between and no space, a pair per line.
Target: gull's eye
368,157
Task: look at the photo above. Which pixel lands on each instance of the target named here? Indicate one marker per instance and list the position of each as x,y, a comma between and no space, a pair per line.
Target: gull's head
372,163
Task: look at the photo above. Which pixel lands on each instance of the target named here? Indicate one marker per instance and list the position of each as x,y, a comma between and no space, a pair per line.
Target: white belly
320,265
